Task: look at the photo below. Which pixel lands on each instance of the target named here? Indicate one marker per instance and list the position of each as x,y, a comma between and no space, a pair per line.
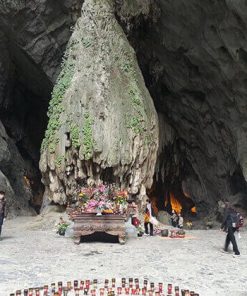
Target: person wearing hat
2,209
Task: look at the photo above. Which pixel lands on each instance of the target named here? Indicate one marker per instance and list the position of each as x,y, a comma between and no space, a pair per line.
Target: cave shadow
101,237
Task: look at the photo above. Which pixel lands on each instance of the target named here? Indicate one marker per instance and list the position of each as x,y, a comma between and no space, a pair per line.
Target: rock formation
192,55
102,122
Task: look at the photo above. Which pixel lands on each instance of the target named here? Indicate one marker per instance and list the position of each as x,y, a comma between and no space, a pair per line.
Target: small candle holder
119,290
169,288
130,282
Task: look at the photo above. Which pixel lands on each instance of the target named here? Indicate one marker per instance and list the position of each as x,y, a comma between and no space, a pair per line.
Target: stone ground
32,254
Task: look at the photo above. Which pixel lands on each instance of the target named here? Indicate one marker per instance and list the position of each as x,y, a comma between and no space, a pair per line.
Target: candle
106,283
87,284
18,293
81,285
145,283
127,291
37,293
69,286
169,289
152,286
144,291
26,292
123,282
113,281
176,291
76,284
30,293
130,282
160,287
119,290
102,291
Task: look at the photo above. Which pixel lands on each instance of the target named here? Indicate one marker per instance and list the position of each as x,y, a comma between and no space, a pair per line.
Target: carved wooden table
88,223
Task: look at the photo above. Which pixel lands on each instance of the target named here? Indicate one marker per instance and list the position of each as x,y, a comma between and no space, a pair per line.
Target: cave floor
32,254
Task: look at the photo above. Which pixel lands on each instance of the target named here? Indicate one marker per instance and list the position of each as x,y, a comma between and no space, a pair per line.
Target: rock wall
194,61
102,121
33,36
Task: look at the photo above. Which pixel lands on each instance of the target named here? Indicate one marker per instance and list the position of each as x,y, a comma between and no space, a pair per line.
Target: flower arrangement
105,199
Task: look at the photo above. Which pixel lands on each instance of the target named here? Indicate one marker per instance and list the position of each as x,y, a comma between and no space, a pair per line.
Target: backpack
237,219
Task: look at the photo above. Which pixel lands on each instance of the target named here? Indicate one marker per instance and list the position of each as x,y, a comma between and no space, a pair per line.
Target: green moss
59,160
56,108
87,132
75,135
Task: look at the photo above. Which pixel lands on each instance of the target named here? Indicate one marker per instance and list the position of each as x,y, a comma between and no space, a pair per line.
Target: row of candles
91,288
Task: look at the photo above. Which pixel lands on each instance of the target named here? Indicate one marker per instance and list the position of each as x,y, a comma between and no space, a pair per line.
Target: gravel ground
32,254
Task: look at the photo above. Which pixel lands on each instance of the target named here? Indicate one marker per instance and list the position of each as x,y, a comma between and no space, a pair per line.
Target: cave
24,117
198,161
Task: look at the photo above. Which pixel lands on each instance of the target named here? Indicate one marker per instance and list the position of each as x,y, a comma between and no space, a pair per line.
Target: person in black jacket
229,226
2,209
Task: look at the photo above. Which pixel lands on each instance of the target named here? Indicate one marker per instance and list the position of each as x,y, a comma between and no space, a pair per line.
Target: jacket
227,220
2,207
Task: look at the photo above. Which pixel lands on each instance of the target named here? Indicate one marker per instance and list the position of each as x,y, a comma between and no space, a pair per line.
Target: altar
89,223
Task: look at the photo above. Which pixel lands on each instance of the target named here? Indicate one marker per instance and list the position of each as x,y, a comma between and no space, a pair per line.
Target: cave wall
193,57
33,36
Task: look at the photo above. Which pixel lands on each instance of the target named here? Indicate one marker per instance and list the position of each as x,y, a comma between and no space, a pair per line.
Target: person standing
180,221
174,218
147,218
229,226
2,209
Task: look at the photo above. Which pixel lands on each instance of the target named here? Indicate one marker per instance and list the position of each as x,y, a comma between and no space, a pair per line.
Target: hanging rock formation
102,122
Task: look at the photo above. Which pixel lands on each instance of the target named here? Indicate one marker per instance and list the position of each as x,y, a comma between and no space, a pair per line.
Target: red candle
102,291
130,282
87,284
137,291
133,291
127,291
144,291
119,290
169,289
160,287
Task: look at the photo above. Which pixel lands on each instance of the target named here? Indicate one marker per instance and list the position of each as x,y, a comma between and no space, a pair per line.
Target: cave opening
24,117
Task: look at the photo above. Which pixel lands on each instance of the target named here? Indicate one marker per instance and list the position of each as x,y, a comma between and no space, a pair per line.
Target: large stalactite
102,122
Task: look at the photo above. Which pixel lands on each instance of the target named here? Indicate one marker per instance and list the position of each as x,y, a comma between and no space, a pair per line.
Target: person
147,218
230,227
174,218
180,221
2,209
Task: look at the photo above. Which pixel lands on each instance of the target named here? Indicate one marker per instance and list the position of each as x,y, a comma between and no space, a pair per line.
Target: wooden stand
88,223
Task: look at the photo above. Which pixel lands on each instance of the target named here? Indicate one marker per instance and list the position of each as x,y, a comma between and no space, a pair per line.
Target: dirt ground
32,254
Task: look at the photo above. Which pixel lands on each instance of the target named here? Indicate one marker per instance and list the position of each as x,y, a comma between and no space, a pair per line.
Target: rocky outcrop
194,62
102,122
33,36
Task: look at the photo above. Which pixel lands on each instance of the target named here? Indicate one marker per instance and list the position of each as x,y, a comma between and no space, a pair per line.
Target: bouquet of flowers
102,198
